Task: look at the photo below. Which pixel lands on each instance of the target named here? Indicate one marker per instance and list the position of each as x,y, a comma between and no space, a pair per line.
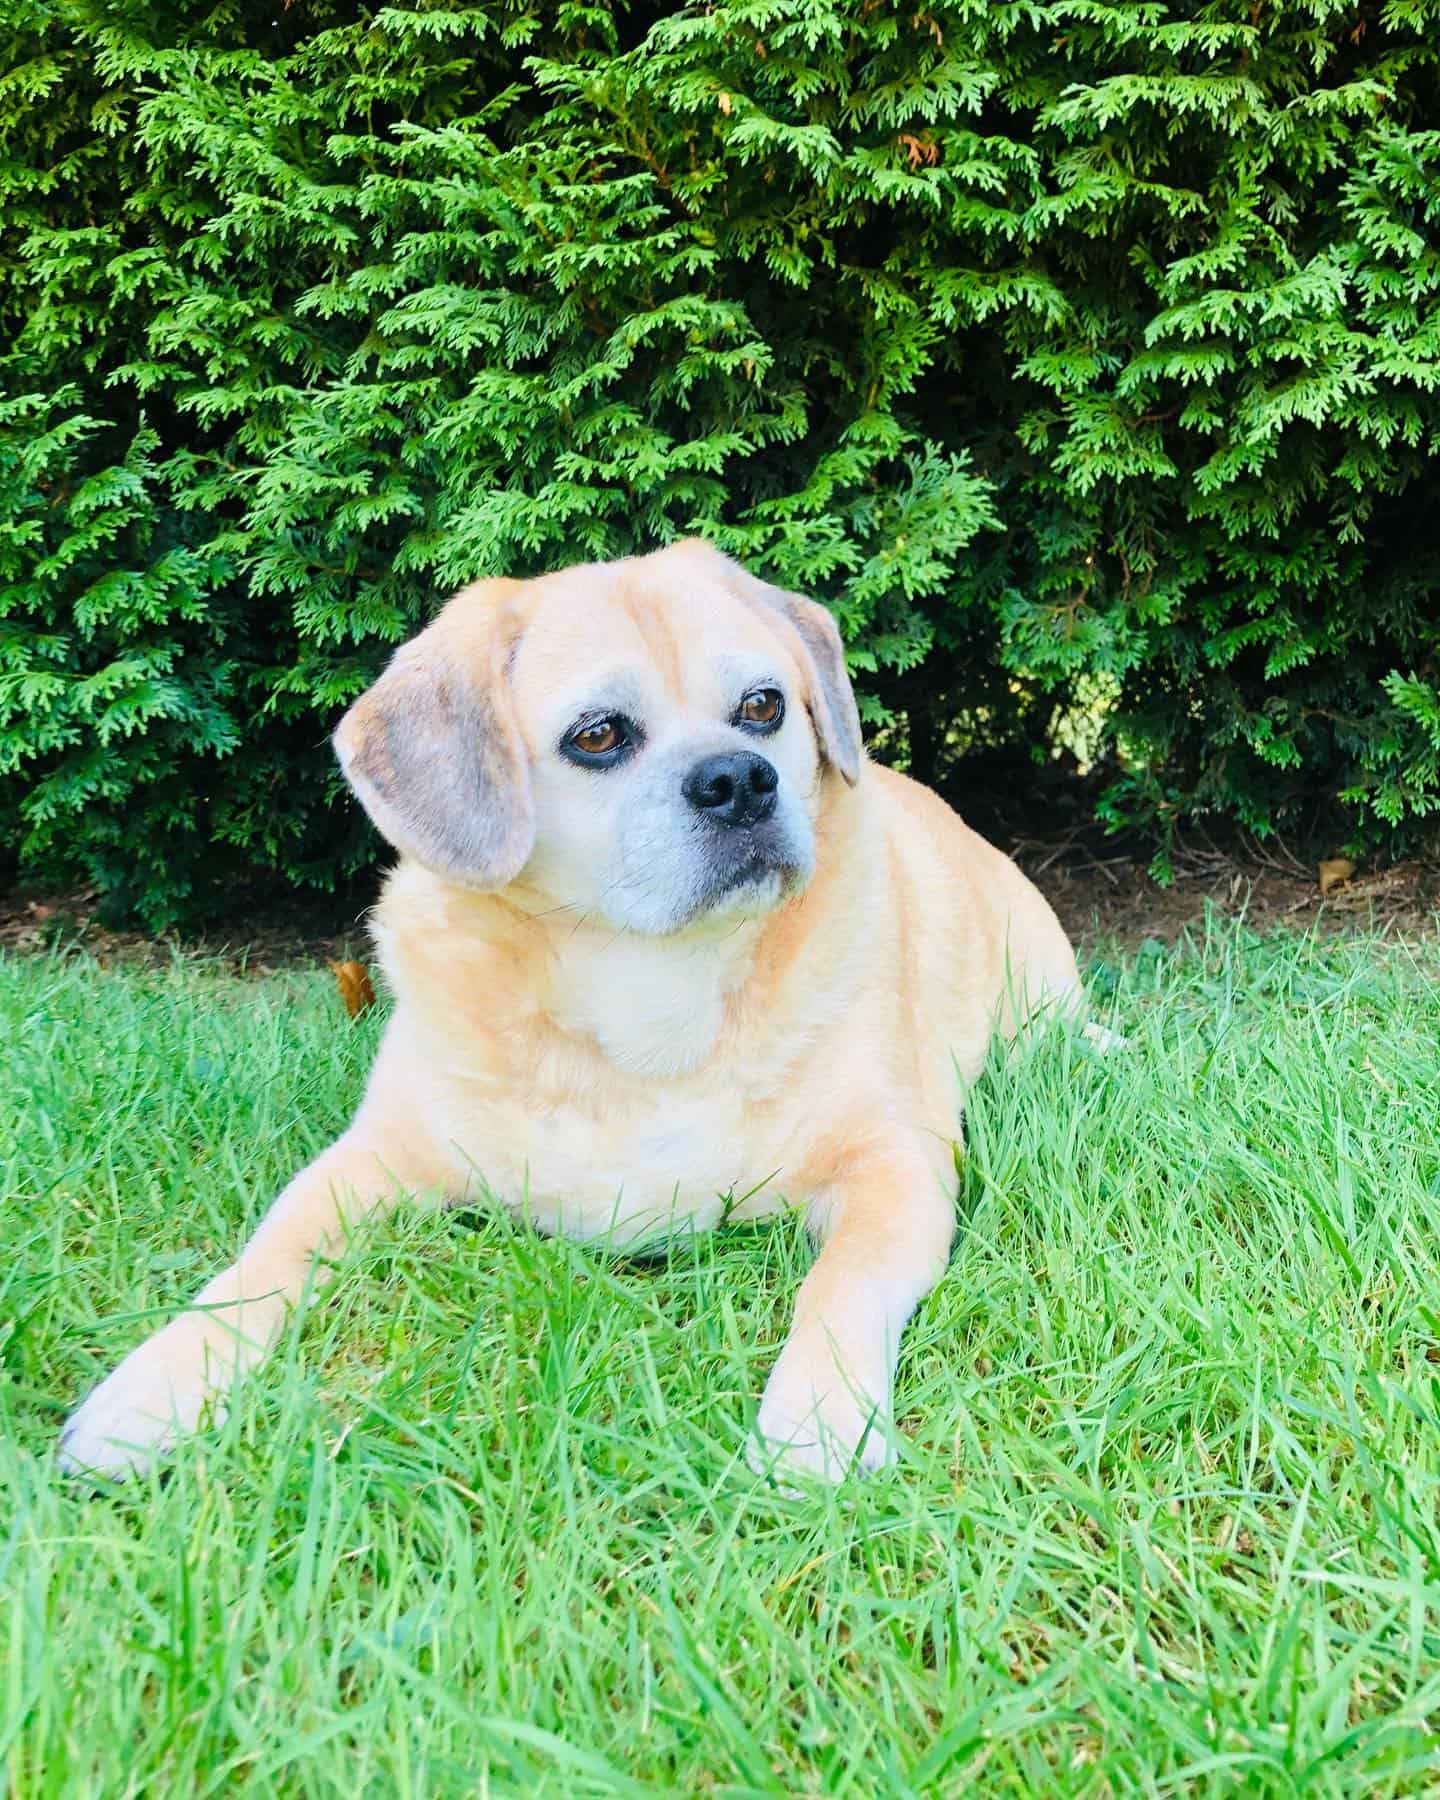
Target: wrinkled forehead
634,635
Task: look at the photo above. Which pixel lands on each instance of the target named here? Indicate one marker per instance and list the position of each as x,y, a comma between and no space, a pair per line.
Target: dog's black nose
736,788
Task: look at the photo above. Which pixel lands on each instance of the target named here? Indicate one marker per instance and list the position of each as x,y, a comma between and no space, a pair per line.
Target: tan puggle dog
659,937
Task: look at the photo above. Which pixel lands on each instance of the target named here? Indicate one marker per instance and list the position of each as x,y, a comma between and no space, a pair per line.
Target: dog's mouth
750,875
707,875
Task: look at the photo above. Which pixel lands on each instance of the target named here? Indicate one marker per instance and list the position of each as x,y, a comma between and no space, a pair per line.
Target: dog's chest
628,1176
600,1112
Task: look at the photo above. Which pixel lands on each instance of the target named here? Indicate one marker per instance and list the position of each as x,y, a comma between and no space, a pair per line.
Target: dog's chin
748,888
743,897
720,879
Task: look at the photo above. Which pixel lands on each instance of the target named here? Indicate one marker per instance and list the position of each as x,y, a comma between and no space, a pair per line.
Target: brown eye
596,739
601,743
764,707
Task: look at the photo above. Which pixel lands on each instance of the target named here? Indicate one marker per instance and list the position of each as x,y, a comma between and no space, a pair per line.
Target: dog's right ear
434,752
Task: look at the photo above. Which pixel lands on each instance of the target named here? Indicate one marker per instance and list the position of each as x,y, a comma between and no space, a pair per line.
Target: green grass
1167,1519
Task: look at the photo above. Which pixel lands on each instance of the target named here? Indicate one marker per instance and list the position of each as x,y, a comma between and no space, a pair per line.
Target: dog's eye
763,708
596,739
599,742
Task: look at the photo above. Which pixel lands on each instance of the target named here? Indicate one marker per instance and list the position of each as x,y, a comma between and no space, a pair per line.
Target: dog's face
673,764
643,741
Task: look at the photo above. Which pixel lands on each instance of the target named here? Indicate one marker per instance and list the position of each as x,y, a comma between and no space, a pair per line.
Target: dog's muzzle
734,800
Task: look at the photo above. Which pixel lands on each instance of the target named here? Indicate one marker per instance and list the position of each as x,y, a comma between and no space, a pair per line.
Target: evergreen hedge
1081,355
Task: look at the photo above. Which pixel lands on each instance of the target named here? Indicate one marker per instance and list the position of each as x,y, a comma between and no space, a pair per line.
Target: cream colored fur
617,1082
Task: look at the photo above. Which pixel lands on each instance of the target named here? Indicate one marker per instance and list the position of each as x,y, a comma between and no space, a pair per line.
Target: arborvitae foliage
1070,351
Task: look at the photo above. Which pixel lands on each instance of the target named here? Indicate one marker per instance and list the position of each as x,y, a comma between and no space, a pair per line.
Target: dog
665,948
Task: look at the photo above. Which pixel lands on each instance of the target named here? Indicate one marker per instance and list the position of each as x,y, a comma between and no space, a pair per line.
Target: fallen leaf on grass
1335,873
356,988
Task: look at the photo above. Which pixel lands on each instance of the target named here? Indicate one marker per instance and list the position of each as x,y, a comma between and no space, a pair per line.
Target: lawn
1166,1518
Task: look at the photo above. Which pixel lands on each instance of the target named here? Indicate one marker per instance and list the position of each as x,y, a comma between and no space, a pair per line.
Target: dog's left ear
837,718
838,723
434,752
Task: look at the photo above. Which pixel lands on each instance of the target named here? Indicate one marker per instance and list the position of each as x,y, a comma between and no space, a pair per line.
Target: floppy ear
435,756
838,722
837,719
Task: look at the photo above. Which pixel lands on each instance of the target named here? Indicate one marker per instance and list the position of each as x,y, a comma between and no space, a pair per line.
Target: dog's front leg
185,1370
885,1219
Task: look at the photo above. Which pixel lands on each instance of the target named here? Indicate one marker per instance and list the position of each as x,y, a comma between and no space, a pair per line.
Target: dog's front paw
817,1423
161,1391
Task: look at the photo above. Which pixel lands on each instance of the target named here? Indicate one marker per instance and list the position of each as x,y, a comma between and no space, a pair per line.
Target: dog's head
645,740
